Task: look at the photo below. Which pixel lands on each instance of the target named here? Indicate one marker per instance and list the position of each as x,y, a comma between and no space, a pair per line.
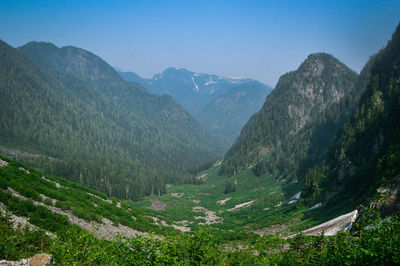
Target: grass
270,206
69,196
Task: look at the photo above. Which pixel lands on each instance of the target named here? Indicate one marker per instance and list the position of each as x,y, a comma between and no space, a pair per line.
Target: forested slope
364,159
98,129
298,119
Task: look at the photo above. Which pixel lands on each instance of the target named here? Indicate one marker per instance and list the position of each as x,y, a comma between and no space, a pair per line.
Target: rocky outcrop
37,260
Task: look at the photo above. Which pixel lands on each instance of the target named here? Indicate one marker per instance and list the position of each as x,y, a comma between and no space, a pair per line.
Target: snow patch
195,85
342,223
315,206
210,82
295,198
236,78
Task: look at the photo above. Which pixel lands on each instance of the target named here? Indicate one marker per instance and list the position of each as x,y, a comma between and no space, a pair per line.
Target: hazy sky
255,39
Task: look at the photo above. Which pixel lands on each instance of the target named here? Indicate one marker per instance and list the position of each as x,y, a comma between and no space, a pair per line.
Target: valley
100,166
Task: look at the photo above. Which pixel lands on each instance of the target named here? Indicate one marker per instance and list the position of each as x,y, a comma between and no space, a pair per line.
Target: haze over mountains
222,105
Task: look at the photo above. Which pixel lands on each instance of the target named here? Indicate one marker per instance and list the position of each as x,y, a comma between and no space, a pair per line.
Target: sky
253,39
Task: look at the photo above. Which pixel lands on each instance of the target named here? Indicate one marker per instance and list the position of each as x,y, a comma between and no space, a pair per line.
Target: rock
41,260
2,164
37,260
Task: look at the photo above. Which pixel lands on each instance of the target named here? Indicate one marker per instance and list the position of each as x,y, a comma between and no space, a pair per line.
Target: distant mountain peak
40,44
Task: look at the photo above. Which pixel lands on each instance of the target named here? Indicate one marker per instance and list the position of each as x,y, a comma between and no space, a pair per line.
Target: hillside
76,225
222,105
81,120
363,161
297,121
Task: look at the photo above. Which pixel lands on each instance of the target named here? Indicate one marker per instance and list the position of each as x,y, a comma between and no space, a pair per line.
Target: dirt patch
201,177
196,201
271,230
177,195
223,201
210,218
157,205
242,205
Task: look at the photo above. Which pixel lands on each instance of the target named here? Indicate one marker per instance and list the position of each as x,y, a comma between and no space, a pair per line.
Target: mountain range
222,105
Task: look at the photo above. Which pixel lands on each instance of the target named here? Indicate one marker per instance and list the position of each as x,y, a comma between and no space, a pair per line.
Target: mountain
191,90
81,120
225,116
222,105
363,162
301,115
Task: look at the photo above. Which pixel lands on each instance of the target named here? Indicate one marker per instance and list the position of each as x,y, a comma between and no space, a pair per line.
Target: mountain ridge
91,121
299,97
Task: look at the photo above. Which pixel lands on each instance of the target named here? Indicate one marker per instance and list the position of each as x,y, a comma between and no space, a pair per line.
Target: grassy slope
71,197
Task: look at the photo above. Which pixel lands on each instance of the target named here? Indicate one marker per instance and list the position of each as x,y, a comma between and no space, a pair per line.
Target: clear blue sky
256,39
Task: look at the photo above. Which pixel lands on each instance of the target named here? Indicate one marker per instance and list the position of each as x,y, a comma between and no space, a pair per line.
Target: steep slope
55,204
99,130
302,112
225,116
364,159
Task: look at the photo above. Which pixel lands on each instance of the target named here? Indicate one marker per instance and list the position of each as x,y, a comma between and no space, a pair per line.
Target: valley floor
262,205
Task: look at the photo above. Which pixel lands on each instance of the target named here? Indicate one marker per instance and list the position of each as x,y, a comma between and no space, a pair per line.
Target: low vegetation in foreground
373,241
377,244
